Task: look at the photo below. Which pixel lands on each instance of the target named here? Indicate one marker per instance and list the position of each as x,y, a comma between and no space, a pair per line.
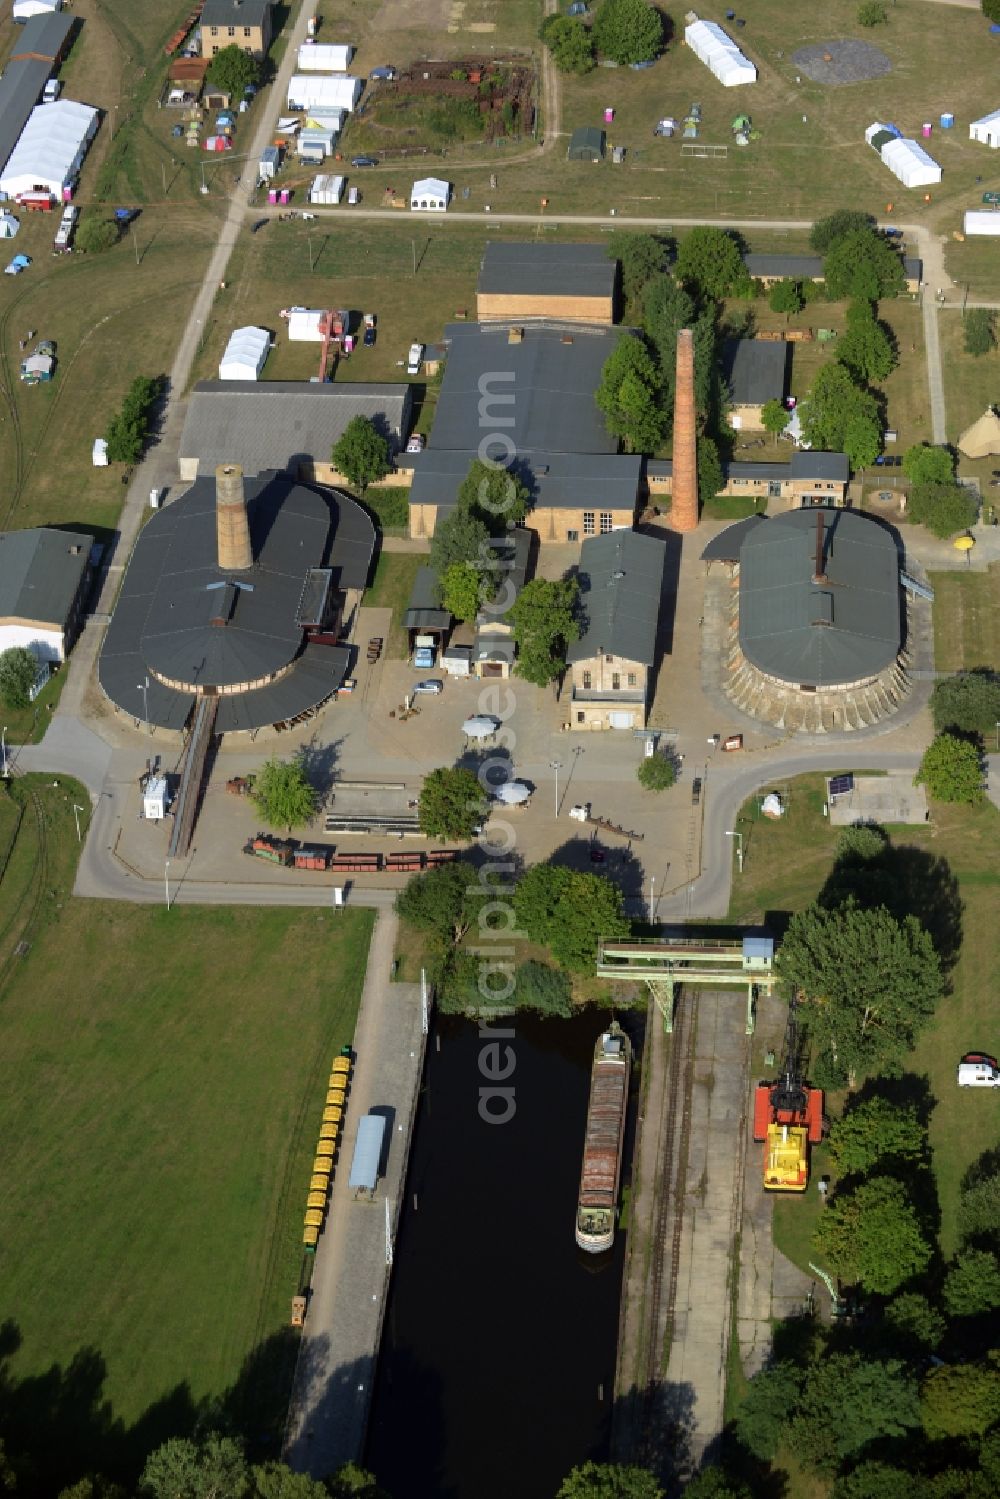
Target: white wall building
324,57
51,150
323,90
986,130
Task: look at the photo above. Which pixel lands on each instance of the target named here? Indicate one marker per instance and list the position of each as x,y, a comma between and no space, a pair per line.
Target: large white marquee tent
323,90
910,163
245,354
324,57
429,194
51,149
719,53
23,10
987,129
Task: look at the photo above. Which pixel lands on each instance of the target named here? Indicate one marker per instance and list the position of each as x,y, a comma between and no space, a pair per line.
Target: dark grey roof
162,624
424,610
513,552
552,270
755,369
791,267
491,646
536,394
44,36
816,465
40,573
20,90
235,12
586,142
621,574
726,546
819,634
592,480
914,268
268,424
805,464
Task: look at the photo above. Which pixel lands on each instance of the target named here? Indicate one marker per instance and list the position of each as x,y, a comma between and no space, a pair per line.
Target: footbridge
664,963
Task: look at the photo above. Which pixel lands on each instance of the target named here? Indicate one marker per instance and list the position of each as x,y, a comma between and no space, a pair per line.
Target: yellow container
324,1157
341,1064
329,1131
333,1113
320,1180
310,1237
314,1218
316,1200
336,1098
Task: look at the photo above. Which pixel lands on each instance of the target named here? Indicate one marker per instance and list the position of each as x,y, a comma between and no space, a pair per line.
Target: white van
976,1070
413,359
353,196
51,91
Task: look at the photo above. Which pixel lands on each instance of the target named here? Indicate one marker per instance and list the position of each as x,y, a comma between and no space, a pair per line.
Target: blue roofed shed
367,1153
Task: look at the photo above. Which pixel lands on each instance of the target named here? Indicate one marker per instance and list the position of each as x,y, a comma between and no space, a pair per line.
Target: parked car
432,686
364,161
370,336
382,75
413,359
646,63
423,657
893,233
51,91
415,443
977,1070
17,265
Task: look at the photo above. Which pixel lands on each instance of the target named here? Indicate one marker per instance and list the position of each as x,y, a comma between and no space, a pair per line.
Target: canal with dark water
496,1374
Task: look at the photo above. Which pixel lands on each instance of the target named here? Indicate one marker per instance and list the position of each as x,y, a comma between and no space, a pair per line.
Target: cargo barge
597,1207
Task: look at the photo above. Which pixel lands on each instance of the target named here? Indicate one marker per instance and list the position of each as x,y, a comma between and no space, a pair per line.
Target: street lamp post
143,687
652,882
998,746
76,814
556,765
166,882
739,849
3,749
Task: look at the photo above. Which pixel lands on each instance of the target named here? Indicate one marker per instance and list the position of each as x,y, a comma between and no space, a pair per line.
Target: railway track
668,1220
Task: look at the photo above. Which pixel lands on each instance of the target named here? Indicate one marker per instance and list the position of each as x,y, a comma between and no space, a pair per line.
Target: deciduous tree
925,463
972,1284
874,1130
876,1481
871,1236
95,234
960,1400
233,71
656,773
825,233
711,479
214,1468
952,771
277,1481
775,417
869,982
872,13
969,702
786,296
643,258
570,43
460,537
914,1324
568,911
282,794
945,509
452,803
493,493
866,349
361,453
863,263
545,619
543,989
353,1482
762,1417
848,1402
839,416
629,396
18,670
609,1481
628,30
464,589
668,308
442,901
709,259
979,1202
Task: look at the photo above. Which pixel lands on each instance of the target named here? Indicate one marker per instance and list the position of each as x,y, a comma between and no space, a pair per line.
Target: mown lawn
966,620
785,865
391,589
162,1082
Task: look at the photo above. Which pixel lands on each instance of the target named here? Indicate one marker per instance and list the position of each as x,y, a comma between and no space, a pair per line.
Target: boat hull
597,1203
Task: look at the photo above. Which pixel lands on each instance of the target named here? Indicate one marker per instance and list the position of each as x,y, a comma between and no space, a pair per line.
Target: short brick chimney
684,506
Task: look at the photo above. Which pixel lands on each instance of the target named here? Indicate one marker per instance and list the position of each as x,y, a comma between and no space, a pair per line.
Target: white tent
99,453
719,53
324,57
986,130
51,149
324,119
326,189
25,9
323,90
245,354
430,193
303,325
979,221
8,226
910,163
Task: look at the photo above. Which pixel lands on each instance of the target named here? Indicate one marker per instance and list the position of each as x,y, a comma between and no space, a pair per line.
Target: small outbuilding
245,354
429,195
270,161
315,144
587,143
986,130
367,1157
326,189
45,577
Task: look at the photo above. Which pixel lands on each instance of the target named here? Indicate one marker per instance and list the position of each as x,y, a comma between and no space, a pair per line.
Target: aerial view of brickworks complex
500,755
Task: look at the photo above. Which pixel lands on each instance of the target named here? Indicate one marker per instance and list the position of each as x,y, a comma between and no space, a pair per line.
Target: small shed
270,161
367,1153
587,143
99,453
8,225
326,189
315,144
155,799
987,129
424,614
430,194
245,354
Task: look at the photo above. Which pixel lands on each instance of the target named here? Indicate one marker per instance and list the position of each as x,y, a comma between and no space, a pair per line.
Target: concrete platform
891,798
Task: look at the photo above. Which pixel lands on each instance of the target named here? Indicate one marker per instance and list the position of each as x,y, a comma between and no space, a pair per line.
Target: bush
951,770
945,509
969,702
570,44
390,506
539,987
656,773
991,9
18,670
95,235
456,119
872,13
980,333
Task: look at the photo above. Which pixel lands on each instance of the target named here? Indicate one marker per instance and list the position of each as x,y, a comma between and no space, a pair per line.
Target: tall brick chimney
684,507
232,527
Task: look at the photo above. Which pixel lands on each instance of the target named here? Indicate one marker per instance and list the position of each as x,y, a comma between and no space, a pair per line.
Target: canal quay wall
335,1372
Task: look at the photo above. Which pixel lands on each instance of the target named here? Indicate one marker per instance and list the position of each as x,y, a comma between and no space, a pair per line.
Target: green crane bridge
664,963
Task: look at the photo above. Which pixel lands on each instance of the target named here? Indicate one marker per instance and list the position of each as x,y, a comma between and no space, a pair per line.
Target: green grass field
164,1074
785,865
391,589
966,620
